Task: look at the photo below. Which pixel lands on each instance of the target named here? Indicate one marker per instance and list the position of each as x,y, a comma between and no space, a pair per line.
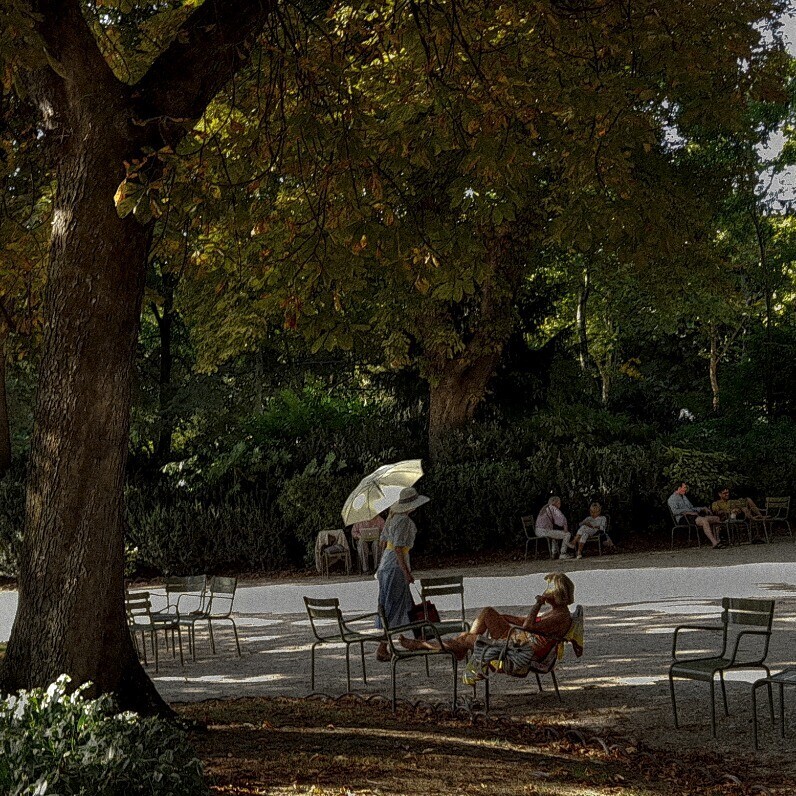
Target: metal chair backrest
441,587
740,616
220,596
324,610
191,586
137,605
528,526
778,508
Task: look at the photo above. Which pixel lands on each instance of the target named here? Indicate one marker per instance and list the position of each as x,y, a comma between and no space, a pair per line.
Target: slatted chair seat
216,607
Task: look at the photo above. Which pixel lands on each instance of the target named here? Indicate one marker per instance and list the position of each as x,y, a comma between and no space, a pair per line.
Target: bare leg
703,523
489,620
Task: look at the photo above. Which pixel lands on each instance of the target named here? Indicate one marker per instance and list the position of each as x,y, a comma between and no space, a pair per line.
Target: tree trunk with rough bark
584,357
71,616
455,396
714,367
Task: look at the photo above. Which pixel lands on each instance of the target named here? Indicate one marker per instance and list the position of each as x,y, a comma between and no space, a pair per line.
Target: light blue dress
395,598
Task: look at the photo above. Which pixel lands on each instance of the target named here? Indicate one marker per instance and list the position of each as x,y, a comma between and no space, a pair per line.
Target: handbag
424,611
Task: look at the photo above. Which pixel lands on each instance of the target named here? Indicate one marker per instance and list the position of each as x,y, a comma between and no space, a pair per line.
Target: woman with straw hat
395,572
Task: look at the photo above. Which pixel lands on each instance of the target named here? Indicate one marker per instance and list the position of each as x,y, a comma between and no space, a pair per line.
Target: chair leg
781,709
674,701
312,665
235,631
455,679
754,715
348,666
394,706
713,706
724,693
212,640
555,683
486,694
362,655
179,639
539,682
155,649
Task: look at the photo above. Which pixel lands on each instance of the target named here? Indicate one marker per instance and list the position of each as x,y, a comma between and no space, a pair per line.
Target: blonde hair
561,587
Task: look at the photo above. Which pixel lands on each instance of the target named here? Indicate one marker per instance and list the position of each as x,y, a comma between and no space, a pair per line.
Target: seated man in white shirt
552,523
683,510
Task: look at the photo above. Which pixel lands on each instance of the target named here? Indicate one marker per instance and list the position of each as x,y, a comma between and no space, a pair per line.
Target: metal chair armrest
710,628
766,633
401,629
357,618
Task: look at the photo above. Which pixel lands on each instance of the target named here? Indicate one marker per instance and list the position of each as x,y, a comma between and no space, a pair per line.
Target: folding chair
330,627
745,630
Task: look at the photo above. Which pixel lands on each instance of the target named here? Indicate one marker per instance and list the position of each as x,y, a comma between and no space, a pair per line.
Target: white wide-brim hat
408,500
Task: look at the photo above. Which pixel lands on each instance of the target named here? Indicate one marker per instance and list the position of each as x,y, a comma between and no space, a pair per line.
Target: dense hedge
257,503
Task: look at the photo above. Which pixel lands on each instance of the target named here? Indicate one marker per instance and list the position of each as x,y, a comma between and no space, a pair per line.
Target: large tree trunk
5,425
71,608
455,396
71,617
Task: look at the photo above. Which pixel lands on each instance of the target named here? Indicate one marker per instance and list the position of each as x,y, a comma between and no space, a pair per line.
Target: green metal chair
776,511
745,631
141,620
183,595
330,627
688,525
434,588
488,664
398,653
528,527
216,607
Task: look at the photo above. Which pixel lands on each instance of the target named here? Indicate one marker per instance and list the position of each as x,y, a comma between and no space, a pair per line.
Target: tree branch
70,47
208,49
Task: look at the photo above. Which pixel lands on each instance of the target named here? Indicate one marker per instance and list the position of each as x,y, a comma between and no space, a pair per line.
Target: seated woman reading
544,632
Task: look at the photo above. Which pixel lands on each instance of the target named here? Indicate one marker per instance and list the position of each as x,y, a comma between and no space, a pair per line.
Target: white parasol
379,490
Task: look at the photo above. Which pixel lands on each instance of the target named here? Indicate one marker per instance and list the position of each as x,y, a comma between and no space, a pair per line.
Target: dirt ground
347,746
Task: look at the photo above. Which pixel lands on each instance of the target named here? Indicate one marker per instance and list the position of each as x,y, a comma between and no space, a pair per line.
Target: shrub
177,533
54,742
311,502
474,506
703,471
